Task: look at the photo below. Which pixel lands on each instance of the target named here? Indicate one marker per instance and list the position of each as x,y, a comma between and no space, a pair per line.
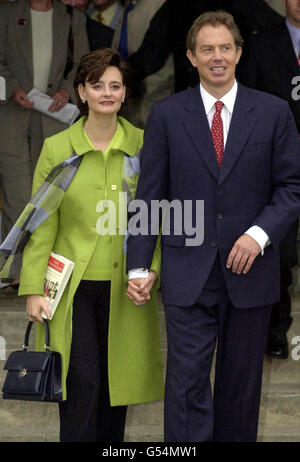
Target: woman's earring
83,101
123,99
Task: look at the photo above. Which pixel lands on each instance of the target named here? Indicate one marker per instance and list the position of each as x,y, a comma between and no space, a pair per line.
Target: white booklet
57,275
42,102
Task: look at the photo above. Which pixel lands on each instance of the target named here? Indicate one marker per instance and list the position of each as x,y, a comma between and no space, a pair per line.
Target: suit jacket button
220,216
214,244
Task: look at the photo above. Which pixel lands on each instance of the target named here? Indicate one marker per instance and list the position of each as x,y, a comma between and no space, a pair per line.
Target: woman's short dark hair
93,65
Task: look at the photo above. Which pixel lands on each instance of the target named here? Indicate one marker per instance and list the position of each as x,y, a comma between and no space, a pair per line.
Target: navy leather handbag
33,375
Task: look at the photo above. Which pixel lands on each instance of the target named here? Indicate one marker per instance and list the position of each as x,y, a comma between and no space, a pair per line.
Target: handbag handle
47,335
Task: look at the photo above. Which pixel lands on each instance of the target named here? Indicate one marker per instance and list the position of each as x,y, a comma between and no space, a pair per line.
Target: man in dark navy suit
271,63
237,150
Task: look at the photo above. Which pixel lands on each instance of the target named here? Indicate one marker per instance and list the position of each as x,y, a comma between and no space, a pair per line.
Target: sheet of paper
2,89
42,102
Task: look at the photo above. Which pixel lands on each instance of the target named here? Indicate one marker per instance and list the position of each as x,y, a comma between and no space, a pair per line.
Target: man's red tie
217,132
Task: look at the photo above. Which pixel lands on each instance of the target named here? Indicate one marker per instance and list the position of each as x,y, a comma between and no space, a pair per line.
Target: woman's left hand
60,99
139,289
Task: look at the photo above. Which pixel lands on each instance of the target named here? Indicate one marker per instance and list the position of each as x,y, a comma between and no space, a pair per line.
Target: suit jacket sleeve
41,242
156,46
248,68
279,215
152,185
11,80
257,14
80,47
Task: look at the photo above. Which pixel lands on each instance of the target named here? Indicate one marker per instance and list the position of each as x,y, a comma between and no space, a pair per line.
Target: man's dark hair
213,18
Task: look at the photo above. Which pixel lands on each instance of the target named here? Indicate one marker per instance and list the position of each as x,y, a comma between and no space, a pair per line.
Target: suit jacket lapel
196,124
285,48
241,124
23,33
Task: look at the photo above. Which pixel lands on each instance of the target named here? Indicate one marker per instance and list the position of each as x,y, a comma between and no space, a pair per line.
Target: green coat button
113,187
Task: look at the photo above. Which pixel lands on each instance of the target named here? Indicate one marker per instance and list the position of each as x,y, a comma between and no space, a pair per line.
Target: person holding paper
110,347
33,54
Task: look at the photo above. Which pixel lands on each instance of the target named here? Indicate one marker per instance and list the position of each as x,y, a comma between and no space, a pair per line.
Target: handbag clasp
22,372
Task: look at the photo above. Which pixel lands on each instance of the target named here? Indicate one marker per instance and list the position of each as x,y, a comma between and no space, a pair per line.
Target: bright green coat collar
129,143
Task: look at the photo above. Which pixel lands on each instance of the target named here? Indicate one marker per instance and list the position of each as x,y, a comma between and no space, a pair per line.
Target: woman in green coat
110,346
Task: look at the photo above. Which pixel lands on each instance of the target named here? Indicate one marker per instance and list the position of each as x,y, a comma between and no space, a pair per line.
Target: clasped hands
60,99
139,289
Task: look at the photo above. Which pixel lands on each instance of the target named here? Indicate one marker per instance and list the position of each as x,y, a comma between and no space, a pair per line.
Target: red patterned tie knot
219,106
217,132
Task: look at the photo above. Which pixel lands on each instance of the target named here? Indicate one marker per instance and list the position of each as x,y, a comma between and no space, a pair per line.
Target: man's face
293,11
216,57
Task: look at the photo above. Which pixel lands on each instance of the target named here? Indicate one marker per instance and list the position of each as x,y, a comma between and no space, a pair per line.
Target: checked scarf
44,202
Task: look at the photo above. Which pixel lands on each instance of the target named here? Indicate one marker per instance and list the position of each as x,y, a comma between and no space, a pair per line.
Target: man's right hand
139,289
35,304
19,97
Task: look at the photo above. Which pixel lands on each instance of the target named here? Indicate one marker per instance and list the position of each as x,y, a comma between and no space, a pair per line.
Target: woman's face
106,95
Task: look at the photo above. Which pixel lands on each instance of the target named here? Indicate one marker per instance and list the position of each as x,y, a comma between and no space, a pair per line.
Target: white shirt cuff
258,234
138,273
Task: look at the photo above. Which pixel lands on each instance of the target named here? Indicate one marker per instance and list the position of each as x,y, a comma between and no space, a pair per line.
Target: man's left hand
60,99
243,254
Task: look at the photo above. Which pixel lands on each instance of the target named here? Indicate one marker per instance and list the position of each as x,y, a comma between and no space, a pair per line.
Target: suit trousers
16,173
281,318
16,185
86,415
192,412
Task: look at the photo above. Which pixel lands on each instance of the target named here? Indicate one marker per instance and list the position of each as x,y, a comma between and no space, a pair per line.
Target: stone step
279,434
279,420
280,414
28,421
13,323
280,410
25,421
285,371
277,375
295,289
12,302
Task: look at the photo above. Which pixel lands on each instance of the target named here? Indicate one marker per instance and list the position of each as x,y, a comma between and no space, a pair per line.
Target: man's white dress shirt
257,233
